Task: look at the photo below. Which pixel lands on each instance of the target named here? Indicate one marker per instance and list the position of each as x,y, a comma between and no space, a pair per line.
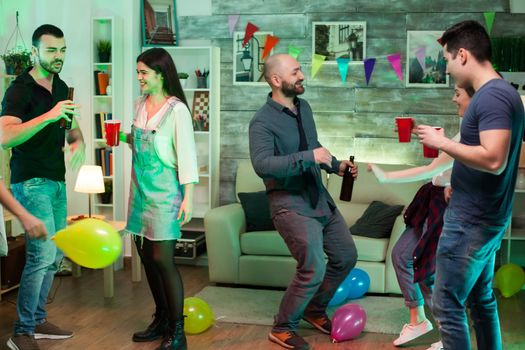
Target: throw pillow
257,211
377,220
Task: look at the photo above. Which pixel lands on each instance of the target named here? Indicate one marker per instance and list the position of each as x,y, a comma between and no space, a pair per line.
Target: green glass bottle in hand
348,184
64,123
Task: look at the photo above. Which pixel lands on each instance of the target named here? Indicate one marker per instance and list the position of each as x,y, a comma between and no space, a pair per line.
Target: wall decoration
201,101
248,59
426,66
159,22
339,40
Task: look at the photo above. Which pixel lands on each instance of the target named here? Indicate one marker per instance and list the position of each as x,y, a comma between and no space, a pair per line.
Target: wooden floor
103,324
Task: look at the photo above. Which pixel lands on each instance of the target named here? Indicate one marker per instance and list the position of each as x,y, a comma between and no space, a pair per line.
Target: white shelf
107,28
196,89
104,205
512,250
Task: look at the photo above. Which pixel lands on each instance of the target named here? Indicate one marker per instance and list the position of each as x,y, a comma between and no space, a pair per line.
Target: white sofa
262,258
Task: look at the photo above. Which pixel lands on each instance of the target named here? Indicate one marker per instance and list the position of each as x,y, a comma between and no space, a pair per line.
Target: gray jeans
415,294
315,280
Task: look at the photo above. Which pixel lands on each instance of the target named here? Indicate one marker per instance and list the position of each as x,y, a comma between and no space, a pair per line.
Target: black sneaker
289,340
22,342
322,323
47,330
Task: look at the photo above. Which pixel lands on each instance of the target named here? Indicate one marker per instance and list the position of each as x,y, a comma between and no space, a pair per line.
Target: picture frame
424,42
200,111
247,60
159,23
339,39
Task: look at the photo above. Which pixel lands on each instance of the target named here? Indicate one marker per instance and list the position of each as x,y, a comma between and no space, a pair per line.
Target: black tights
163,277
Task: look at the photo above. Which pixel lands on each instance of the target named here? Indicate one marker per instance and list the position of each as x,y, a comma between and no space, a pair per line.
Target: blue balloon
339,295
358,283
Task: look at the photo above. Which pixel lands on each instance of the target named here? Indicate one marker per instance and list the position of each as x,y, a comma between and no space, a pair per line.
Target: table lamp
90,180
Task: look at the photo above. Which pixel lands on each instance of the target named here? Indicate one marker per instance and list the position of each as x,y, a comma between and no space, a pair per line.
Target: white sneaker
411,332
436,346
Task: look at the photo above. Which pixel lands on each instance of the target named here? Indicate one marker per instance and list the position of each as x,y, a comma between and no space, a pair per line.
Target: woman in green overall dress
163,175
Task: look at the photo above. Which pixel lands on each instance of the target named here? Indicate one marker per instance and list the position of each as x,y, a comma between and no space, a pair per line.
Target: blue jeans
464,272
315,280
415,294
45,199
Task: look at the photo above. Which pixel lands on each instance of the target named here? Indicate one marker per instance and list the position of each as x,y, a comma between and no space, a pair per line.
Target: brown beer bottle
348,184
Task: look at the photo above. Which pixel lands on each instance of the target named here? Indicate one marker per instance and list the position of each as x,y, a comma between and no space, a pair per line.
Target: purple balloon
348,322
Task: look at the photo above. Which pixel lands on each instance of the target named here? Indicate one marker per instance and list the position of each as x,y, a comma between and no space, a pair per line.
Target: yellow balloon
199,316
509,279
90,243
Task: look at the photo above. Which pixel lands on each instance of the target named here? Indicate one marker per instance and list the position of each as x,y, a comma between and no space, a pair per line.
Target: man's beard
49,66
291,90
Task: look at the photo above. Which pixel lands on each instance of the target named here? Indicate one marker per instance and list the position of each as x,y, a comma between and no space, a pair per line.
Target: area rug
258,306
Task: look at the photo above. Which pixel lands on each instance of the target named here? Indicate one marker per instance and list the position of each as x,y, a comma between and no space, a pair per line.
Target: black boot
176,339
156,330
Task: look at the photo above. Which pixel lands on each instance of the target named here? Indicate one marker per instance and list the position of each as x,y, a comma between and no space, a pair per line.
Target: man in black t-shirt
29,124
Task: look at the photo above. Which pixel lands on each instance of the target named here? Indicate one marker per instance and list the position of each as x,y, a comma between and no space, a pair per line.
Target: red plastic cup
429,152
404,128
112,129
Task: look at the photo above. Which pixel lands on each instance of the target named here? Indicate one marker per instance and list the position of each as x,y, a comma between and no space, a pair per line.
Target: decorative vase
183,82
9,69
103,57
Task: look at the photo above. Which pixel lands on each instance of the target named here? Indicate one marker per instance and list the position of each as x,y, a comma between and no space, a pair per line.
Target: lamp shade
90,179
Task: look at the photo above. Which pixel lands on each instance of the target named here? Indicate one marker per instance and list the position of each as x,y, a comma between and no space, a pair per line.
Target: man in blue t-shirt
483,181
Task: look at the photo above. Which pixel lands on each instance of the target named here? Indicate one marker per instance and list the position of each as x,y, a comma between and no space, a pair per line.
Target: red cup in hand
404,128
112,129
429,152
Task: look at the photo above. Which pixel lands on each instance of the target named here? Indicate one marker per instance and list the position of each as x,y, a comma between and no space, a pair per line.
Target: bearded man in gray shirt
287,155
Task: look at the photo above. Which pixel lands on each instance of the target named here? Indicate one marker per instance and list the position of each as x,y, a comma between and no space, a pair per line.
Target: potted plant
104,50
16,61
183,77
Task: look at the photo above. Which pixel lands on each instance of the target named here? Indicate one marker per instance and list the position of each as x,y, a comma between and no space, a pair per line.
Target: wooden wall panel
352,117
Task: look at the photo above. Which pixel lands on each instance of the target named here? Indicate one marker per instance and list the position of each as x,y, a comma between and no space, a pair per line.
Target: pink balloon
348,322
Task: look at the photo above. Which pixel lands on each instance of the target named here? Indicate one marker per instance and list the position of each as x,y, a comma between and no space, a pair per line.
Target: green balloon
199,316
509,279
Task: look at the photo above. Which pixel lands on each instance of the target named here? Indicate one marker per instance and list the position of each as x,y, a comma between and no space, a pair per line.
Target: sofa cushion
257,211
371,249
271,243
377,220
368,189
263,243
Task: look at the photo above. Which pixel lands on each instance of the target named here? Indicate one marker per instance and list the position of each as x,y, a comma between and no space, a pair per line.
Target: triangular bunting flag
317,62
232,22
421,53
294,51
269,43
248,32
489,20
342,64
369,68
395,61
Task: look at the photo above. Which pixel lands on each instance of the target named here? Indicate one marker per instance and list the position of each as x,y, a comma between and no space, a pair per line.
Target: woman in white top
413,255
164,172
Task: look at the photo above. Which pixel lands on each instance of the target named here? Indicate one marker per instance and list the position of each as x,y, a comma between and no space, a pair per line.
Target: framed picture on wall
339,39
247,60
159,23
425,65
